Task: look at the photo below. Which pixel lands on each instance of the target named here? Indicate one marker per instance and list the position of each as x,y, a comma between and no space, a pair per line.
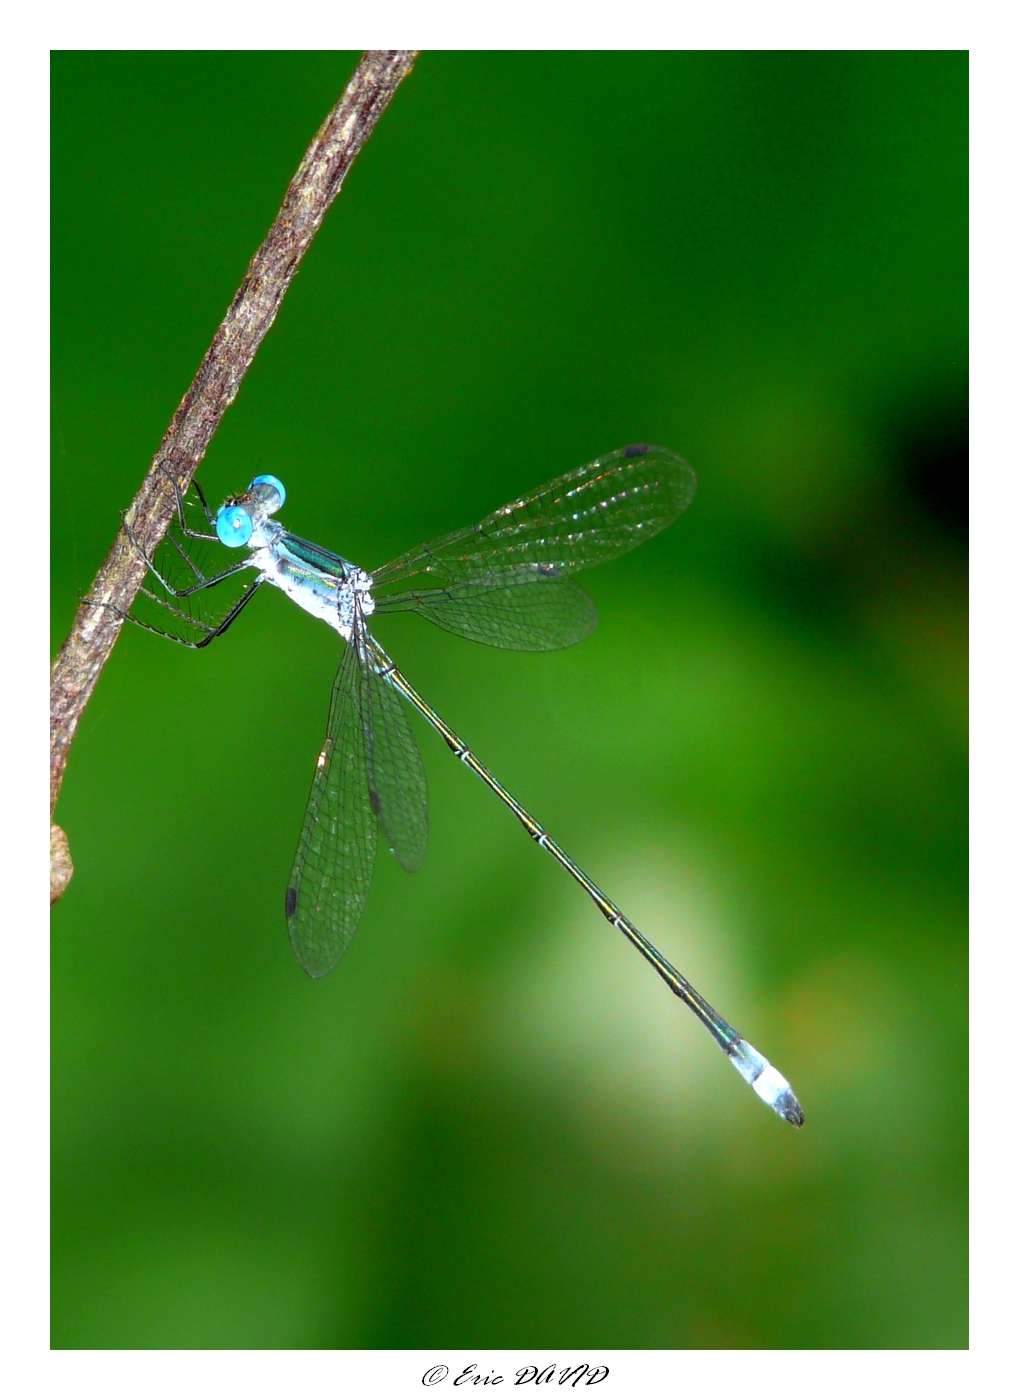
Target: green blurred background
493,1126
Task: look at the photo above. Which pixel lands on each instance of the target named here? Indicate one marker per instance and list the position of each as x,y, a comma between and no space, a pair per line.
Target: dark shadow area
929,439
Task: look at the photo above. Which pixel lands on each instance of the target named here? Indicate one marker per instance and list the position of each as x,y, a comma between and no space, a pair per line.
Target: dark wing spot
636,449
376,801
291,902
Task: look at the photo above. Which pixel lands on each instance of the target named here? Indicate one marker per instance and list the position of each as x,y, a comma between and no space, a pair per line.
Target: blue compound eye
233,525
276,485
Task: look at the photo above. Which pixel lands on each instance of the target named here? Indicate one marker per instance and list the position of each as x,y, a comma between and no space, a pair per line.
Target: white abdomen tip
766,1082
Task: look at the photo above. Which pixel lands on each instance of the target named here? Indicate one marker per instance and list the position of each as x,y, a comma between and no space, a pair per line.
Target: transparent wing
581,519
336,853
541,613
397,789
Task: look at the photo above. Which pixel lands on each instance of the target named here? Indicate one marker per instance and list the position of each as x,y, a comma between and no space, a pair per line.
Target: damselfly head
239,517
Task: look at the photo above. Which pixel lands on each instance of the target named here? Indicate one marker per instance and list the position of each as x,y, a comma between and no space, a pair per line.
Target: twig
251,313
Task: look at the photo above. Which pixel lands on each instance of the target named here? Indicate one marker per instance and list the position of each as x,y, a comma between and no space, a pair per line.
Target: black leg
235,611
210,632
179,499
207,582
205,505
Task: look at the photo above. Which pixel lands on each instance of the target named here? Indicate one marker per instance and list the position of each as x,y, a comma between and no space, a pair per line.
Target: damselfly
506,582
